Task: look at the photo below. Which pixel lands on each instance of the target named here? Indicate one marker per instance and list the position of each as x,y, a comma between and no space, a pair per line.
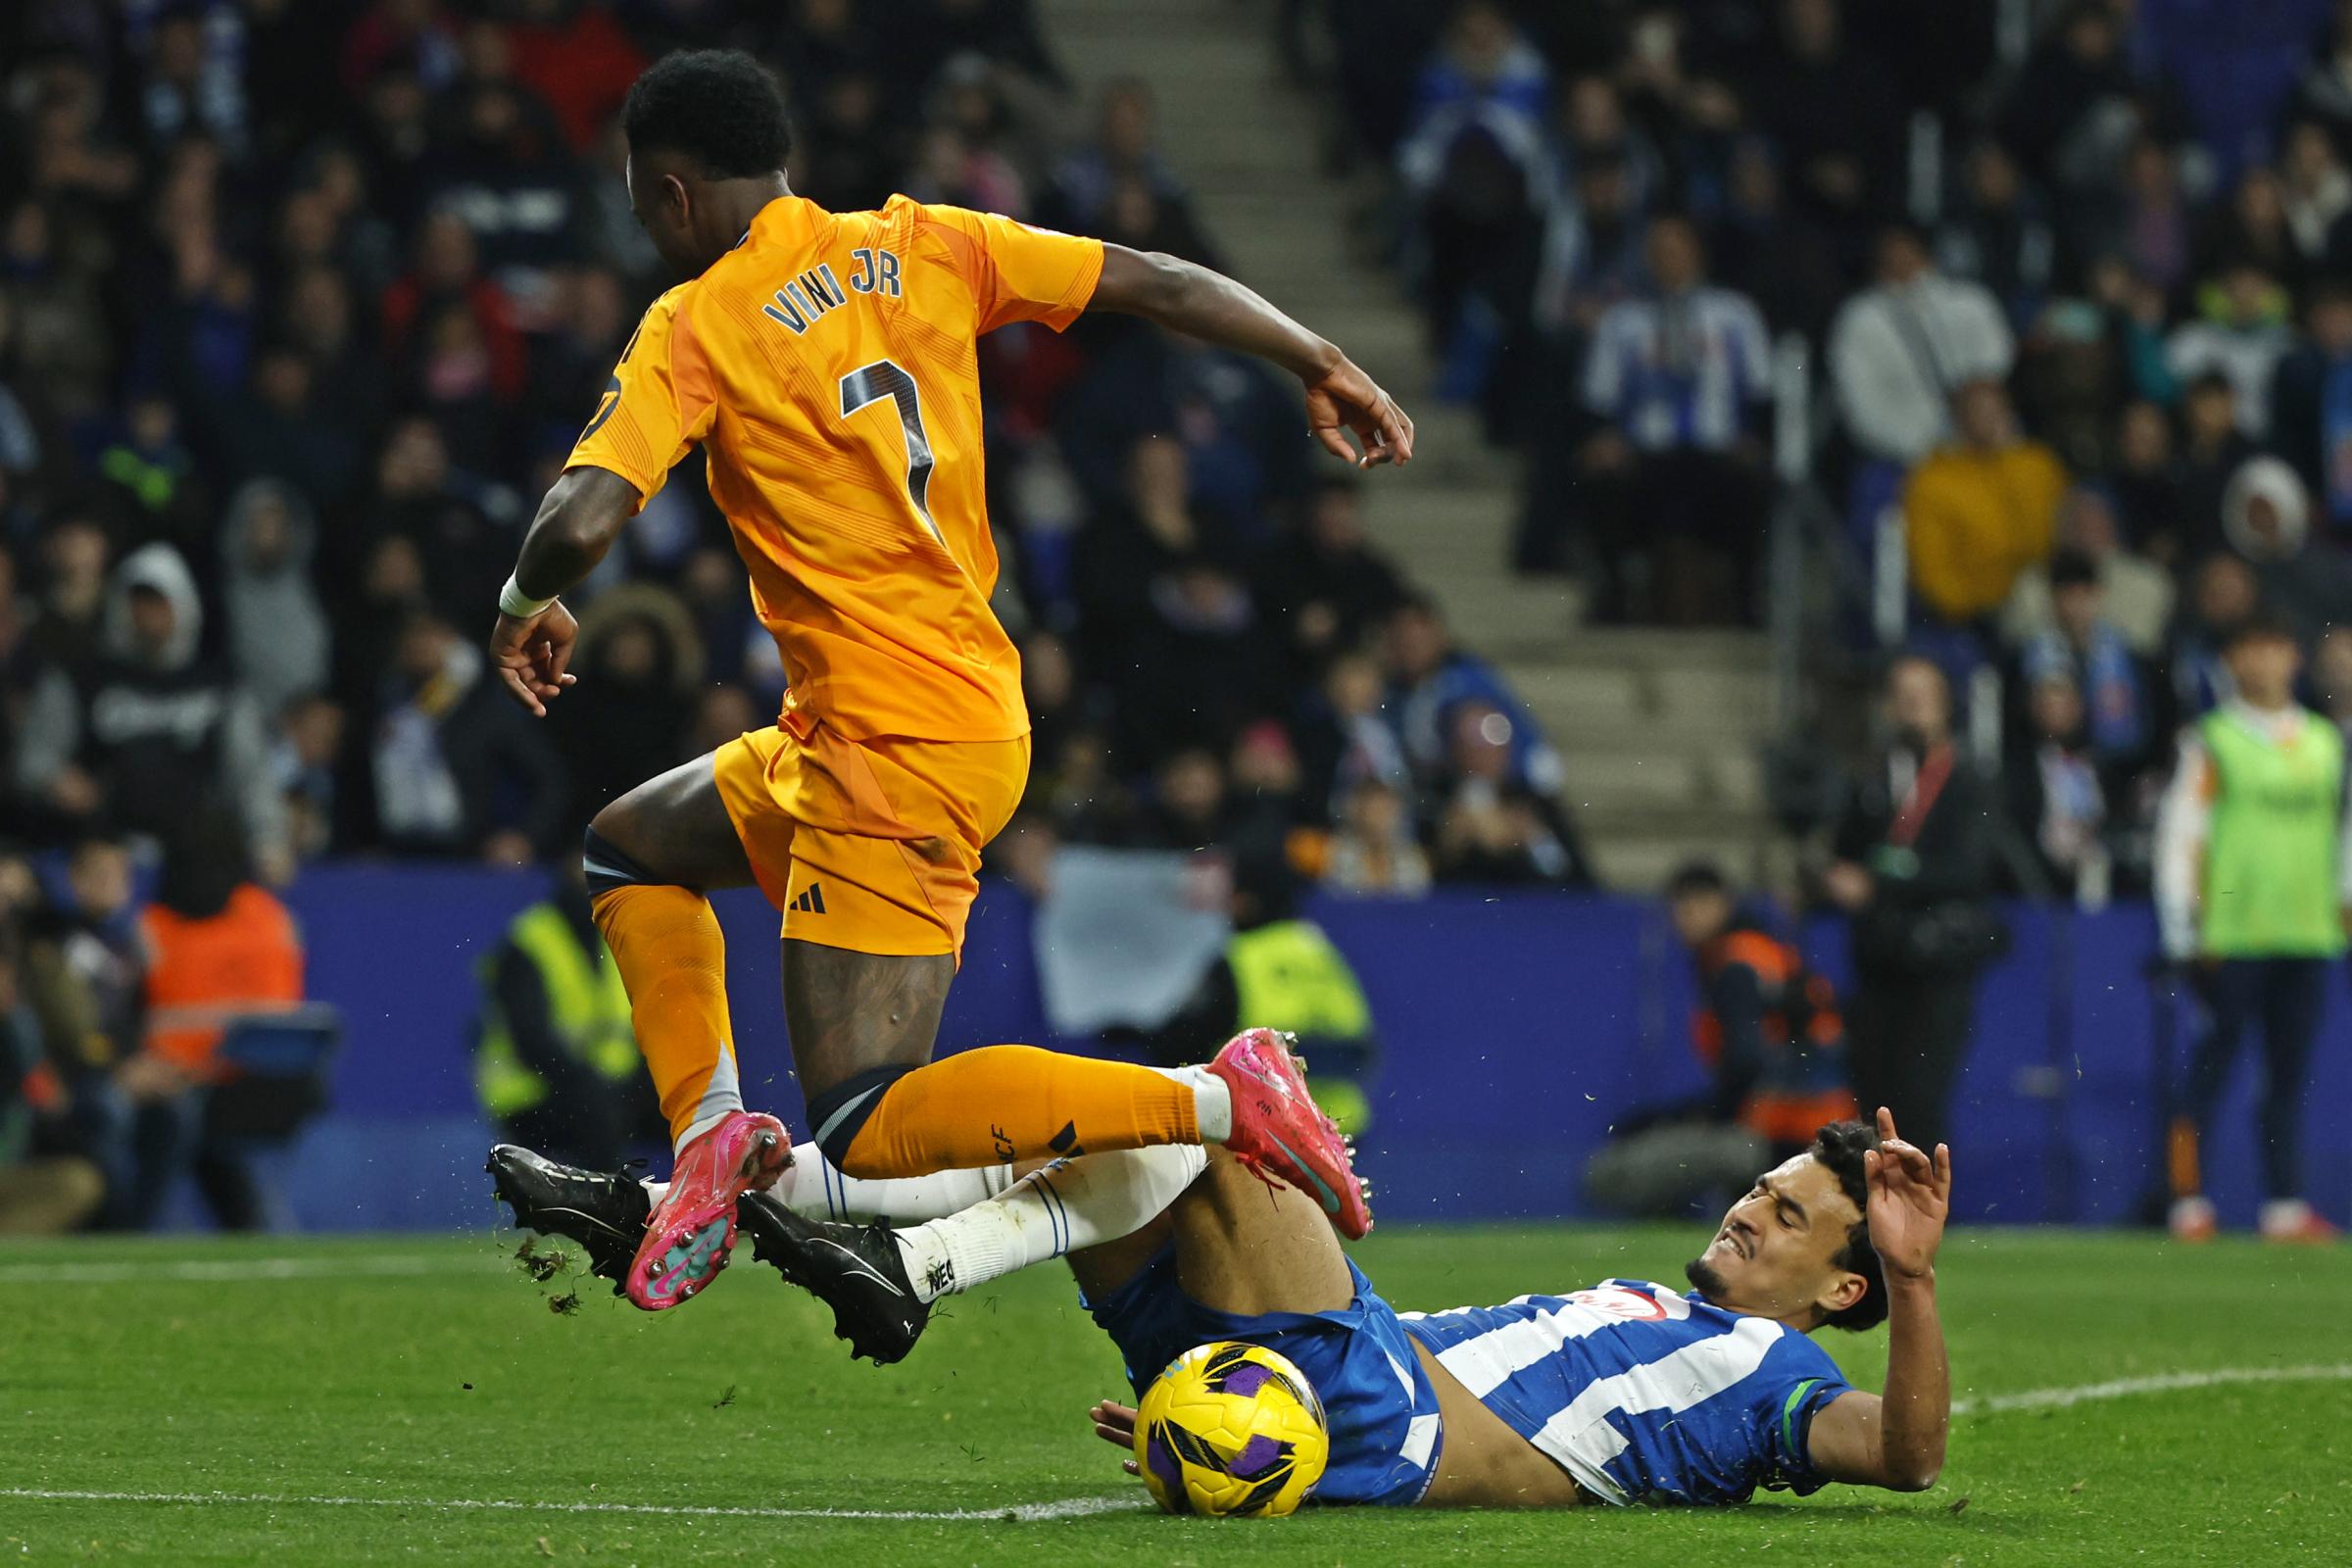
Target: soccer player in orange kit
825,363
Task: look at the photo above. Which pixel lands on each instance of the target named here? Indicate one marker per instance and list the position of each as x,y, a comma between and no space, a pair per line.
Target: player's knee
604,863
840,1113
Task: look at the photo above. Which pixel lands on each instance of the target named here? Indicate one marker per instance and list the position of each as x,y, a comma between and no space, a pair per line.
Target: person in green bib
553,1059
2251,894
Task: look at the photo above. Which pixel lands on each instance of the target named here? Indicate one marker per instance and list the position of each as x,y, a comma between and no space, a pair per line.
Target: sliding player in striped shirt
1626,1392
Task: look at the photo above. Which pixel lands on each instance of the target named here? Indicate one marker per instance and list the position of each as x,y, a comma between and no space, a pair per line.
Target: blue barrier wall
1517,1028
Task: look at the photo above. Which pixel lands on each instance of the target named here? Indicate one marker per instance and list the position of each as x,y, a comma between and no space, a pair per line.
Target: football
1231,1429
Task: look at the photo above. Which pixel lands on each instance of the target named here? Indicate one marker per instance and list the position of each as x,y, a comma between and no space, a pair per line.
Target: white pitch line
227,1270
2154,1382
1016,1513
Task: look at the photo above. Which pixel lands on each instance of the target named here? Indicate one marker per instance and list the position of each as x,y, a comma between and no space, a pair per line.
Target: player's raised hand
1910,1194
1347,398
1115,1424
530,655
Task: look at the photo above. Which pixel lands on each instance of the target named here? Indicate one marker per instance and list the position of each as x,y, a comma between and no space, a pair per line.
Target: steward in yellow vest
1282,971
554,1061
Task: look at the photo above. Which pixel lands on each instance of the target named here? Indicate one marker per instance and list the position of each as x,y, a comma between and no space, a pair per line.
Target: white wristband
513,601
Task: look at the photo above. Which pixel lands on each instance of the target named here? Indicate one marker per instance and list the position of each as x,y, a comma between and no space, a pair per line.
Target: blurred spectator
2053,794
1123,149
2135,594
1372,852
1269,805
1476,167
459,769
1200,664
282,428
307,763
2251,889
1491,827
1322,584
639,661
2147,484
1431,681
2215,446
445,511
2311,403
2076,110
1591,256
151,731
2113,688
279,642
2251,231
40,1194
1902,351
219,948
2266,517
2322,94
1675,477
1914,857
1831,110
1345,739
149,476
2241,332
1188,808
577,57
2316,191
1999,236
2222,595
1981,512
2151,226
69,630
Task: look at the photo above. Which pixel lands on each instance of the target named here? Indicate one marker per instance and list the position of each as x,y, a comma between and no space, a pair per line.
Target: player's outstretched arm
1193,300
582,514
1897,1441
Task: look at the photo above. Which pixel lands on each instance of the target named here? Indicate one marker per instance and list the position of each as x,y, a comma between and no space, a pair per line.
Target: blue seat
278,1065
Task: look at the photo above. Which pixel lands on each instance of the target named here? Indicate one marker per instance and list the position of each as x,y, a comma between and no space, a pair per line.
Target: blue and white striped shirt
1680,372
1643,1393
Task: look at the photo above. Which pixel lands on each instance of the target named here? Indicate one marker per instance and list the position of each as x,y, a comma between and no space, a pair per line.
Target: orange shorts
872,845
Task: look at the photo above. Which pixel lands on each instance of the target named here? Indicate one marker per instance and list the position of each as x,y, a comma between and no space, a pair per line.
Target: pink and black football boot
1278,1130
690,1233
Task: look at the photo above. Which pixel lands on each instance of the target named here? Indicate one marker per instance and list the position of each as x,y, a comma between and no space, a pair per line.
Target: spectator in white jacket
1899,349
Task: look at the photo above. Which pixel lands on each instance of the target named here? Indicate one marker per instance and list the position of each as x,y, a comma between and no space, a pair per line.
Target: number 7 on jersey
886,378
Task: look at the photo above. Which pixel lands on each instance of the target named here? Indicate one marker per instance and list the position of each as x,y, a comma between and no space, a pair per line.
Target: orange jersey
827,365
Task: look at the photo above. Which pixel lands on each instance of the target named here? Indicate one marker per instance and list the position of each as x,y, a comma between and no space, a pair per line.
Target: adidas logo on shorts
812,899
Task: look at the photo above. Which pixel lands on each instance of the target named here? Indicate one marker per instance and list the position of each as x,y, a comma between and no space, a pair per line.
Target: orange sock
673,959
1005,1104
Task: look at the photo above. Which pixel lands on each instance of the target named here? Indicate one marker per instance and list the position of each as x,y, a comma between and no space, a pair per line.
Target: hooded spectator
2266,517
152,732
278,643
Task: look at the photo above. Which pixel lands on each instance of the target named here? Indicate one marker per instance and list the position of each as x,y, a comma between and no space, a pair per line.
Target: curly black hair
1841,1146
717,106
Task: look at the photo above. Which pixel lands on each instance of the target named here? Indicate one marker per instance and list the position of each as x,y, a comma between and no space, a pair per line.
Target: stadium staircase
1661,730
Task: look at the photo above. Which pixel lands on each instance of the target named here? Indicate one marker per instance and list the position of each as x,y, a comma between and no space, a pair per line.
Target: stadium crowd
303,305
301,308
2082,321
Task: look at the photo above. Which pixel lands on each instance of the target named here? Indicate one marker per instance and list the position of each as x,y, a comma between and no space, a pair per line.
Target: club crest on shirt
1617,1300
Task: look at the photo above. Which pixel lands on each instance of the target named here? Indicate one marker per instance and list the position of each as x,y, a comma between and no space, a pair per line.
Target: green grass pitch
223,1394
